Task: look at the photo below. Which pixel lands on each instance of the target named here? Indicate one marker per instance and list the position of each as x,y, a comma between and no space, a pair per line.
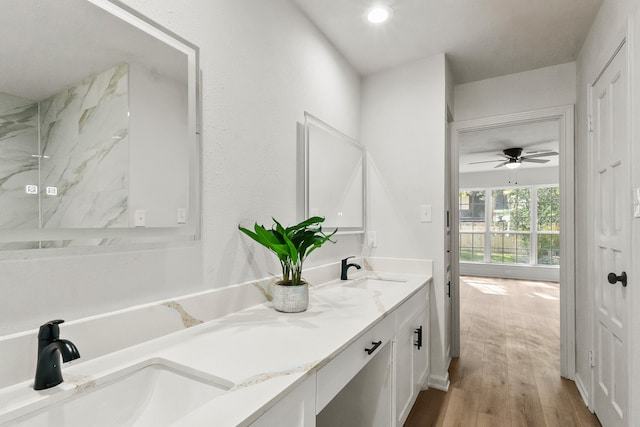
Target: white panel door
612,216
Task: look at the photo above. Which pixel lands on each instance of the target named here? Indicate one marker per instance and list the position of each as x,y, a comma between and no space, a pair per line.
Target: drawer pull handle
418,342
375,346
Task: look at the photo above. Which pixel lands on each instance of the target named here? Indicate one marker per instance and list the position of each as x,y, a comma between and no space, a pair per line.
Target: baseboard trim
583,392
439,382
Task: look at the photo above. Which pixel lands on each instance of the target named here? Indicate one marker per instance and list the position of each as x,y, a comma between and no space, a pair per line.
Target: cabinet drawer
339,371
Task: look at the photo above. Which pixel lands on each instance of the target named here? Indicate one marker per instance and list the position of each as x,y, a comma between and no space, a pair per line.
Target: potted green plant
292,246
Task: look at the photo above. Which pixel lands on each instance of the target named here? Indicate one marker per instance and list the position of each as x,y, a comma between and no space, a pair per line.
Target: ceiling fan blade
548,153
501,164
485,161
525,159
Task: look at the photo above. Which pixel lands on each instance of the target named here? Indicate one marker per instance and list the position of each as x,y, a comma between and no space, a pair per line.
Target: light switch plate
636,202
182,216
140,218
425,213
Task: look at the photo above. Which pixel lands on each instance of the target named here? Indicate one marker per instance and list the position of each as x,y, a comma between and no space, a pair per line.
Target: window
510,225
472,225
548,209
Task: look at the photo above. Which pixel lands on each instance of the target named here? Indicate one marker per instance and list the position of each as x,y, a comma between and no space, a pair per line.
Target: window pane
472,247
472,211
511,210
549,209
510,248
549,249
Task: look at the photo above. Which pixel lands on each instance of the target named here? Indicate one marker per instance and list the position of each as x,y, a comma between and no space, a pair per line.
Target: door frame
565,115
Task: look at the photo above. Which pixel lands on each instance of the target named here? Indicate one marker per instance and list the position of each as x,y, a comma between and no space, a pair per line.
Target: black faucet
345,268
50,348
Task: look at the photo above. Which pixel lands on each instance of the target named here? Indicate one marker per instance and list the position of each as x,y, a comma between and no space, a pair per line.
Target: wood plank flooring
508,372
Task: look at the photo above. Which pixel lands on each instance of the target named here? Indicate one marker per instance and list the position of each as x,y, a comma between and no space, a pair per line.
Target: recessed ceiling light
379,14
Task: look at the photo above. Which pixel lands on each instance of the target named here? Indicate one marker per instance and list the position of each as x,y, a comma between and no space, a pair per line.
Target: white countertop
264,353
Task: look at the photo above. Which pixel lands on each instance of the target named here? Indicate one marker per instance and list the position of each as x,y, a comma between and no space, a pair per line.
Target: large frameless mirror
98,140
335,177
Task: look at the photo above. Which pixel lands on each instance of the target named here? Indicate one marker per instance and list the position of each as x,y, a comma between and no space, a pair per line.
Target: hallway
508,371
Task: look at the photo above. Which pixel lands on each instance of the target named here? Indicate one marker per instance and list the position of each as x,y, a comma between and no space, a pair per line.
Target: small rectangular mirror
335,175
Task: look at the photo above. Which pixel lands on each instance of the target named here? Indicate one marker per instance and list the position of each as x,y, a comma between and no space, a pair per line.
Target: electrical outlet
372,239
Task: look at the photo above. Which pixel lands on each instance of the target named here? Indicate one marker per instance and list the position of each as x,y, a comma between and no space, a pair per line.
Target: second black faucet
345,268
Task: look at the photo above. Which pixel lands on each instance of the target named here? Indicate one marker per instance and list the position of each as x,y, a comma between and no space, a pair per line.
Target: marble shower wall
84,143
81,136
18,167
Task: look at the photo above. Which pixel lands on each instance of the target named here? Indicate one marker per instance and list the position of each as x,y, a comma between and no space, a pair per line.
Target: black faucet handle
50,331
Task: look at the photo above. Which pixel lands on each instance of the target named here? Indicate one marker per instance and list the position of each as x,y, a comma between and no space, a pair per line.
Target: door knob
612,278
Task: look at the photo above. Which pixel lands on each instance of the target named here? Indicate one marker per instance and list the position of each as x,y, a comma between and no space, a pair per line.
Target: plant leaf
306,223
293,251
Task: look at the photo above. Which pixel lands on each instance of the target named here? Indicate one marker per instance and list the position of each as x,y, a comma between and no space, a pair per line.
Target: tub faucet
50,349
345,268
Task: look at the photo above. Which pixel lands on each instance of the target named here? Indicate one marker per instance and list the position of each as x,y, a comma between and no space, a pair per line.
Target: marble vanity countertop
264,353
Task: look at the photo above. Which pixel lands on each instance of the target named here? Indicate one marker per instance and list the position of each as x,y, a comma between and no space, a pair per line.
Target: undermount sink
374,283
157,392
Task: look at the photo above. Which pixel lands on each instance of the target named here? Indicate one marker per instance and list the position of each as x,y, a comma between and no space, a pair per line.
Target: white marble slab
18,142
84,138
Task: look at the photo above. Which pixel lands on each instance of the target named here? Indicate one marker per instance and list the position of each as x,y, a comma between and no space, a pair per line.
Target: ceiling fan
512,158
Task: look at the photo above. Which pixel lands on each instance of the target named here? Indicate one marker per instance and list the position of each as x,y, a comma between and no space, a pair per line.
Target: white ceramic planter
290,299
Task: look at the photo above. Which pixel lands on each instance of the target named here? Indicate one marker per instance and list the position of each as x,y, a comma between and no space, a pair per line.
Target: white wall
403,128
262,64
531,90
608,30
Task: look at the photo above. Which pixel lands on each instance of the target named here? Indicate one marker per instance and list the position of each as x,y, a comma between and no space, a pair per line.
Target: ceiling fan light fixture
513,165
379,14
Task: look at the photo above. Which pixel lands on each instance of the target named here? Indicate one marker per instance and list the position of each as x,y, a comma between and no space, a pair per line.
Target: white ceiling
51,45
486,145
482,38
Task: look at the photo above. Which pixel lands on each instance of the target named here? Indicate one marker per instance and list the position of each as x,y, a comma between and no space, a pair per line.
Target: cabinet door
421,355
404,368
412,363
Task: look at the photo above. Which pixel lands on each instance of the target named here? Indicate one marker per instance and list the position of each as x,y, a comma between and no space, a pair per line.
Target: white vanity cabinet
412,352
296,409
335,375
372,382
358,390
355,389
